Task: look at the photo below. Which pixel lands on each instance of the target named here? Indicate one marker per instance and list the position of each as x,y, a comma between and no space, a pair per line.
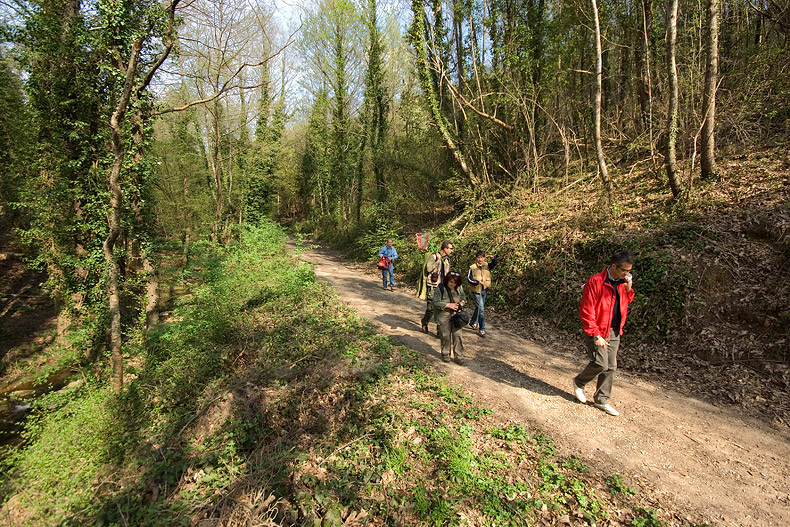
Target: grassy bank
264,401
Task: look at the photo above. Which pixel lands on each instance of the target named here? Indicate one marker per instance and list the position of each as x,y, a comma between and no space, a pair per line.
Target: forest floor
27,313
725,463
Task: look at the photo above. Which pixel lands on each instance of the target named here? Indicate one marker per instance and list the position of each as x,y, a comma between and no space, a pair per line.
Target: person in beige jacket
479,278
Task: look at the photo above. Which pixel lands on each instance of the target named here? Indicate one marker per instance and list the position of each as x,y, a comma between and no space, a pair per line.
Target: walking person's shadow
504,373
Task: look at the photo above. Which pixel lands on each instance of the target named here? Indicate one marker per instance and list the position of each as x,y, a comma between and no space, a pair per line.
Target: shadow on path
504,373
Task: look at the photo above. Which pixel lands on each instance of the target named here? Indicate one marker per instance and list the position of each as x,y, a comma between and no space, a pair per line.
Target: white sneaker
608,408
579,393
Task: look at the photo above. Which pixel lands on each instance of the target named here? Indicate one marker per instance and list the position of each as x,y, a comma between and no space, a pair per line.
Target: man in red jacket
603,310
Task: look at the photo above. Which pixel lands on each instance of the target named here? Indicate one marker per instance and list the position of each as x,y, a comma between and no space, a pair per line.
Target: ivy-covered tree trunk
60,57
141,230
134,85
314,163
418,37
340,136
460,61
114,220
359,184
376,105
142,118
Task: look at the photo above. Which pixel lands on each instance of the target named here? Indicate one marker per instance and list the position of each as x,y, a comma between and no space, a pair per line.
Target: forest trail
709,462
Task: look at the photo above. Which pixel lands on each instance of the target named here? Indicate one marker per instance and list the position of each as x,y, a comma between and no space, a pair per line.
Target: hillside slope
712,271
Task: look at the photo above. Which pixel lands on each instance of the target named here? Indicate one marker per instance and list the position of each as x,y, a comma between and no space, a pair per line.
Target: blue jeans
478,317
384,273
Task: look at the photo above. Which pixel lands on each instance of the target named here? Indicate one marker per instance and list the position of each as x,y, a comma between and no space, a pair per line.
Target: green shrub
647,518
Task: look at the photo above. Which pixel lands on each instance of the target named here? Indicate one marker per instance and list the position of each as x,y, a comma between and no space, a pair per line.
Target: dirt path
696,457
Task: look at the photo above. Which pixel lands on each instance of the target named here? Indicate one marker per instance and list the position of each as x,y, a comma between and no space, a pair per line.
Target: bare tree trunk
709,97
672,112
607,184
216,165
643,80
188,227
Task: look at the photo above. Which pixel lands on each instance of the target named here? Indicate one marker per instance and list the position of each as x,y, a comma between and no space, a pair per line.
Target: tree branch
227,85
169,40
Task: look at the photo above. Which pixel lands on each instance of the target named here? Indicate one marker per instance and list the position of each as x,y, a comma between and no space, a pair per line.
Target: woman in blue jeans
479,278
389,252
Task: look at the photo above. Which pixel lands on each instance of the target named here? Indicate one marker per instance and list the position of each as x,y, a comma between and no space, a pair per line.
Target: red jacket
597,303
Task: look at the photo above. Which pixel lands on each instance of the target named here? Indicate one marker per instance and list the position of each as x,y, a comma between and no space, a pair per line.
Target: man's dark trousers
603,363
428,316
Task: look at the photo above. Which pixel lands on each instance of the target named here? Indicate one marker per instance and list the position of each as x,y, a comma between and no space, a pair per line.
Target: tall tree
607,184
708,161
672,110
114,219
376,108
332,39
121,26
65,89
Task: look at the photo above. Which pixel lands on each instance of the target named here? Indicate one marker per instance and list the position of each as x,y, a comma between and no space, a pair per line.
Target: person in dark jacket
433,273
603,310
448,297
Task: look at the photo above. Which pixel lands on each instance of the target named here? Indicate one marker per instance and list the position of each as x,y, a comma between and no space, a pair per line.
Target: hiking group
603,310
445,299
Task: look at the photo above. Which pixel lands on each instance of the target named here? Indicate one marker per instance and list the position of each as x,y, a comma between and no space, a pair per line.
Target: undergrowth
265,401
